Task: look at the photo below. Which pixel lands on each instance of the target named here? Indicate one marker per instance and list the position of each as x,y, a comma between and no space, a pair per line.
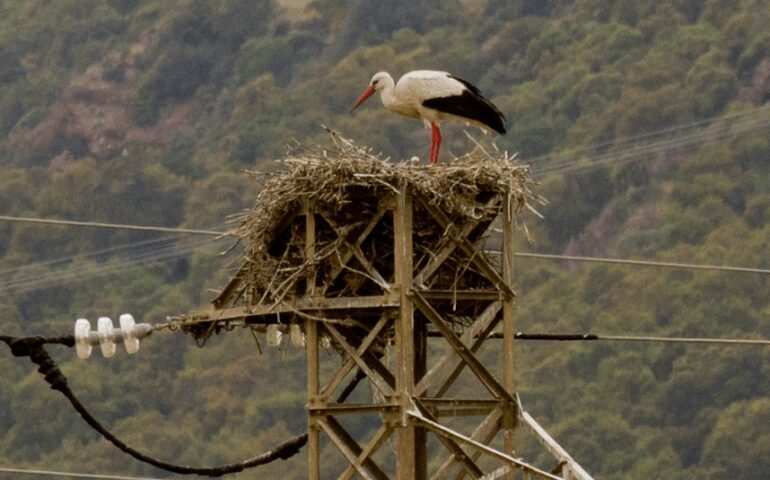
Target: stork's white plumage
434,97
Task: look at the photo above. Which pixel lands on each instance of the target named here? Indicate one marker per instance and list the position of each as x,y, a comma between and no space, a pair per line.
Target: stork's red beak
367,93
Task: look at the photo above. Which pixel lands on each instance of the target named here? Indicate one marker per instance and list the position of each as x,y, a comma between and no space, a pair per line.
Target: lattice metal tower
402,289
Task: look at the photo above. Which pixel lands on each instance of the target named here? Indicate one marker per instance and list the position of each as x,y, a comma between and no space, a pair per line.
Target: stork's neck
387,93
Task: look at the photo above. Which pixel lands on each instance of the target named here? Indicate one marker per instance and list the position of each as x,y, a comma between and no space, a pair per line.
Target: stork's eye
374,83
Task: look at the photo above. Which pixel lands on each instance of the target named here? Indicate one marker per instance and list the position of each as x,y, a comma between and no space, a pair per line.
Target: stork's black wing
470,104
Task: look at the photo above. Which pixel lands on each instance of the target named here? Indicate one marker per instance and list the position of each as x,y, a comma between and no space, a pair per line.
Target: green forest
644,122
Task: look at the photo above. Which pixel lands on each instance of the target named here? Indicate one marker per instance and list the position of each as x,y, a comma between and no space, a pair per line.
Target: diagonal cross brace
576,472
350,362
475,336
457,452
234,289
459,365
446,250
369,449
374,369
354,249
487,379
350,449
467,247
484,433
439,429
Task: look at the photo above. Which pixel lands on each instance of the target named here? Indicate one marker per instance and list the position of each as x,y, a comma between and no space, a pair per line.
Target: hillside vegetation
645,122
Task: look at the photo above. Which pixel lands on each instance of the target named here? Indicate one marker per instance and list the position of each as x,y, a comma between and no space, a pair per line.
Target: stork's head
379,81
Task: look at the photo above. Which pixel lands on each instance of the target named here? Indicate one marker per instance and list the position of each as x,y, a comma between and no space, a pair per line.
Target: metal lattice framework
403,291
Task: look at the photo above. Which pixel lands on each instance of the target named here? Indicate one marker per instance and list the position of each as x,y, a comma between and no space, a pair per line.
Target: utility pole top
384,263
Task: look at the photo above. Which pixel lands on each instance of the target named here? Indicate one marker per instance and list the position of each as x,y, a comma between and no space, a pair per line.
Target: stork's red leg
435,143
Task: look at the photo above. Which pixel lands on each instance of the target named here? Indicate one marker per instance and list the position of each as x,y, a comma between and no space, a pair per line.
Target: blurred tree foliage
645,120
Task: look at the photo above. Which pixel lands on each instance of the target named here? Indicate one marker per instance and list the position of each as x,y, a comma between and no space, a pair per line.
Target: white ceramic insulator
274,335
128,328
106,340
83,347
296,335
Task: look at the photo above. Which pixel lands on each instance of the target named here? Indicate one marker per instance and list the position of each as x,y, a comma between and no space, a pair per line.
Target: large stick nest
346,183
336,176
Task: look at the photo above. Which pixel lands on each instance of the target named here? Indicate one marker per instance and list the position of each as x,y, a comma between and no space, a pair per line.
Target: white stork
434,97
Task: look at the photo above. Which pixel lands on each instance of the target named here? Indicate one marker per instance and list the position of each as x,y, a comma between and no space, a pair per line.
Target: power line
73,223
34,280
561,337
28,277
757,111
727,341
51,473
641,150
645,263
34,348
152,243
656,142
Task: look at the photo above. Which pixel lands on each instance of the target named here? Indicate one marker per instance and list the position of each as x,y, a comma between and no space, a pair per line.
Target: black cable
555,336
567,337
21,346
33,348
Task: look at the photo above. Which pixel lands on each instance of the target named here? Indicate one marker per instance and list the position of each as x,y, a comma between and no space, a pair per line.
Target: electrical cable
34,281
710,130
572,337
647,150
163,249
120,226
52,473
28,277
587,337
757,111
91,254
644,263
648,263
723,341
33,348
